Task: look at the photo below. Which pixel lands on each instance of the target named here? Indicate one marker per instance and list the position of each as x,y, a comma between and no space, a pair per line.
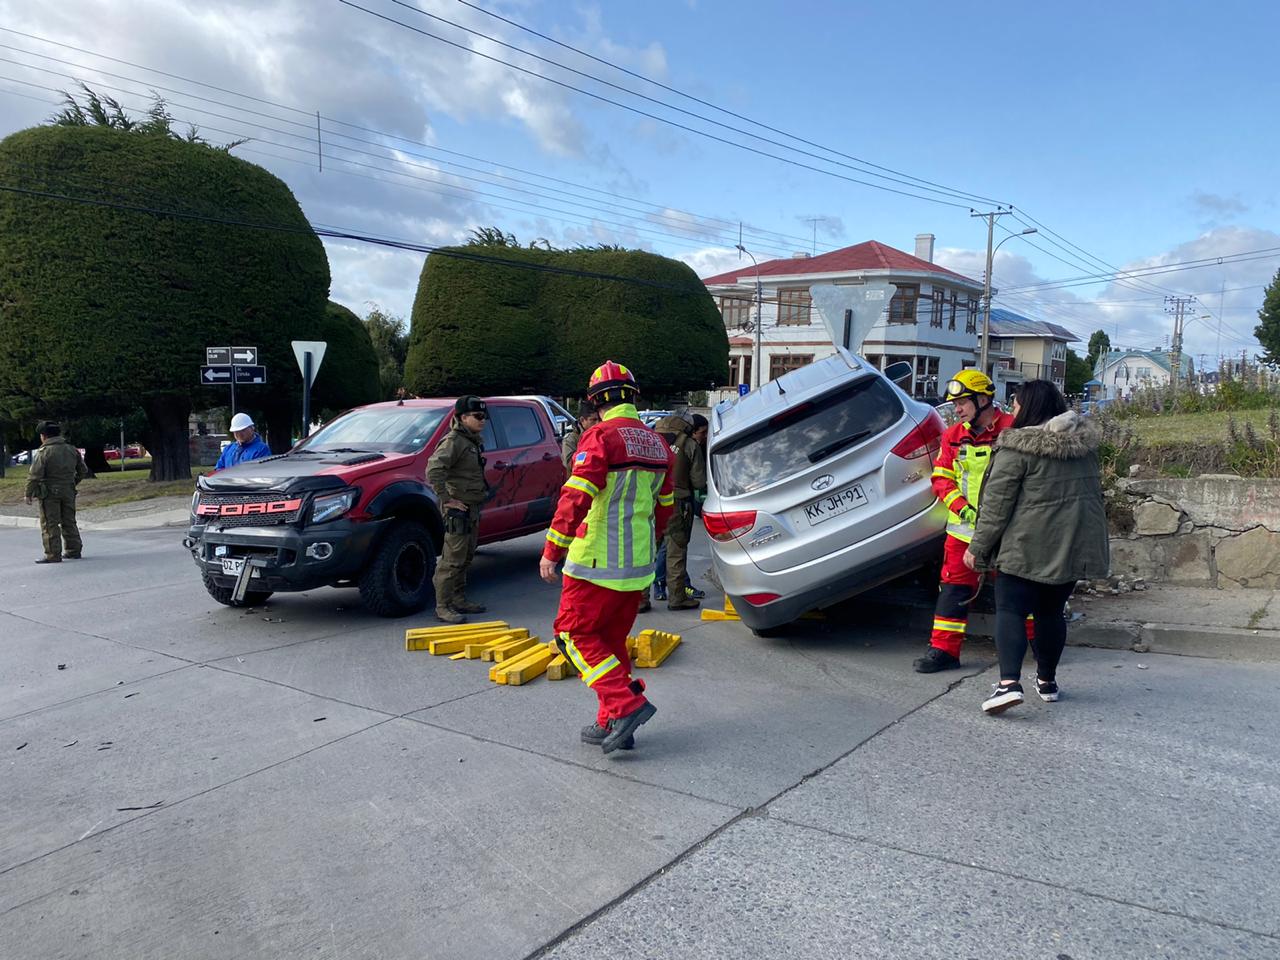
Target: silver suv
819,489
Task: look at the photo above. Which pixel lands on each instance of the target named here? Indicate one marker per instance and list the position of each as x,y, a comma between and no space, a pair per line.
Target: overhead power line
661,209
652,116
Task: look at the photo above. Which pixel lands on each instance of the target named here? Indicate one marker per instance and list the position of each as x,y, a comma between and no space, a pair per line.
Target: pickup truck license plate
832,505
231,566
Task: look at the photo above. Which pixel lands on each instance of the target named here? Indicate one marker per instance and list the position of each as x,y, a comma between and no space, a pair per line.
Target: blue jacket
238,452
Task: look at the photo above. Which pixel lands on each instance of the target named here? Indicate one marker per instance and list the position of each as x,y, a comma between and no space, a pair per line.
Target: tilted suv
819,489
350,506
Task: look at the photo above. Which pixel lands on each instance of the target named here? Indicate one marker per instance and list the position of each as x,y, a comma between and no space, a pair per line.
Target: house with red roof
932,320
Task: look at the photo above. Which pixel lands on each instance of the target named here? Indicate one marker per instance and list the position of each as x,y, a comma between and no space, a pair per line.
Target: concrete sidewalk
137,515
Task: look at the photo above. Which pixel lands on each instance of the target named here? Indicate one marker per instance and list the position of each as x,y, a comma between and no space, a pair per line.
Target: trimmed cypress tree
105,307
487,320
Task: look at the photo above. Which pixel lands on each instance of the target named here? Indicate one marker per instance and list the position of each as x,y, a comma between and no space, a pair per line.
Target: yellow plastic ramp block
718,615
527,668
505,651
450,629
631,646
515,660
728,605
458,656
560,668
654,646
442,645
475,649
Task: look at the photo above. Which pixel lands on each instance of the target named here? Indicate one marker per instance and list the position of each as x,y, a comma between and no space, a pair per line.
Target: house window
902,308
739,370
786,362
971,317
736,312
935,309
1144,373
746,371
926,377
951,314
794,307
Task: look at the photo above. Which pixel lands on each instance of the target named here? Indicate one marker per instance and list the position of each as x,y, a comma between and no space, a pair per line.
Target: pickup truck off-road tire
397,580
253,598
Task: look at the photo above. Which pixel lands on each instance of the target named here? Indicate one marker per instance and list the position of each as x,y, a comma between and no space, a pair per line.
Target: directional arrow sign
314,347
246,355
217,354
216,374
250,374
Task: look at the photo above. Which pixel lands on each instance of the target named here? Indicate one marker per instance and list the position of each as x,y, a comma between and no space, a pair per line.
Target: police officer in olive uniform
690,480
456,472
569,445
56,468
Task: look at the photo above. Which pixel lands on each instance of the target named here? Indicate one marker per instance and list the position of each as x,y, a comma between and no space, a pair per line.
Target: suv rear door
523,467
820,475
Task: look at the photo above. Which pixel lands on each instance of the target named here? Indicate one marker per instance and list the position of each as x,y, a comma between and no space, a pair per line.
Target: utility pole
990,216
1176,306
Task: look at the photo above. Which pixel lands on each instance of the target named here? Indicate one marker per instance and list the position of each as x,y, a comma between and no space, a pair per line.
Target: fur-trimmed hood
1068,436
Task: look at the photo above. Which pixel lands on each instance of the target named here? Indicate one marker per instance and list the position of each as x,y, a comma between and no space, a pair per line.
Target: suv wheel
253,598
397,581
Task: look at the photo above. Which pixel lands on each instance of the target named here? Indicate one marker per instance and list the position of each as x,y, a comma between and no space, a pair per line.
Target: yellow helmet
970,383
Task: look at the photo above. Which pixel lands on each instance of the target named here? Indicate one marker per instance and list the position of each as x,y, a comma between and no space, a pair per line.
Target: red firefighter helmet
611,383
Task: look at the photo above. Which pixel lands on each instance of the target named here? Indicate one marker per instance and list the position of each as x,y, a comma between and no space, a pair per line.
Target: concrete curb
166,518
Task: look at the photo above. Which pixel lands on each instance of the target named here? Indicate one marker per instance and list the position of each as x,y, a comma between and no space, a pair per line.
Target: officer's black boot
624,728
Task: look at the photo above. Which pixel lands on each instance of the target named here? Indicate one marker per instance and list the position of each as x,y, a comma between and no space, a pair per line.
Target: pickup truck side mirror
898,372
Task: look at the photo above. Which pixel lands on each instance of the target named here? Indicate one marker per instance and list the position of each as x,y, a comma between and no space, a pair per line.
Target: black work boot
622,729
936,660
467,606
449,615
595,735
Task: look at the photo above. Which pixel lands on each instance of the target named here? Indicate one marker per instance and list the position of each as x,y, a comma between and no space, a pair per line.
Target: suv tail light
925,438
760,599
728,526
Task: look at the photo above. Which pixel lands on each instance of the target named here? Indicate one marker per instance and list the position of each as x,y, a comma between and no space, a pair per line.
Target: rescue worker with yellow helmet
958,472
612,510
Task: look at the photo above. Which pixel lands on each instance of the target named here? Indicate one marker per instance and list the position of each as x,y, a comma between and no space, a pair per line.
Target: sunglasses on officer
479,415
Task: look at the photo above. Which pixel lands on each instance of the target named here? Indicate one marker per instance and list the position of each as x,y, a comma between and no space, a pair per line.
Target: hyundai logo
822,482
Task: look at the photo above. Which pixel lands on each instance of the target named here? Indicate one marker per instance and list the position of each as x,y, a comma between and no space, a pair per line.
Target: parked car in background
650,417
561,418
350,507
820,489
131,452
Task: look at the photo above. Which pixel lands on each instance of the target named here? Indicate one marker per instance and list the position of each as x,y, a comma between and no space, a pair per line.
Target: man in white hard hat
248,445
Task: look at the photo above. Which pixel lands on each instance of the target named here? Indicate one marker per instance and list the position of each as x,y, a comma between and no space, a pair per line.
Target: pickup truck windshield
396,430
805,435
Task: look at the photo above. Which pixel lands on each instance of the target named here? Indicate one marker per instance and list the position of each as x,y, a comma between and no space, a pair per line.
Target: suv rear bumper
918,541
283,551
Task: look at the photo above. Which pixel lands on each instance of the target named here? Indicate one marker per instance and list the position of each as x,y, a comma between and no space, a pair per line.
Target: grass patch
104,489
1193,427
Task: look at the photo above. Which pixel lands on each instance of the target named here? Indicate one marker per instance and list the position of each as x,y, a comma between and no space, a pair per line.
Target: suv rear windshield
797,439
395,430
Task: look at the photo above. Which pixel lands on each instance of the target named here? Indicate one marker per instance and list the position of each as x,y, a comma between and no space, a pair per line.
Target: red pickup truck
350,506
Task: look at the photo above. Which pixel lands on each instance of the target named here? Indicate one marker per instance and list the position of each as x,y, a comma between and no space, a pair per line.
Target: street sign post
214,376
743,389
309,354
250,374
231,365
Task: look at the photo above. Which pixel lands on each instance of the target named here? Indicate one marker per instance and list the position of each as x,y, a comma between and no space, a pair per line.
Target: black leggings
1016,599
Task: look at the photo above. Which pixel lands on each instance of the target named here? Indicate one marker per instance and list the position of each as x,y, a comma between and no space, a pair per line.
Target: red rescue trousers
592,624
951,613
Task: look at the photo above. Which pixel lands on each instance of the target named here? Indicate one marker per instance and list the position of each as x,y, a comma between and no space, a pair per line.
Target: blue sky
1138,132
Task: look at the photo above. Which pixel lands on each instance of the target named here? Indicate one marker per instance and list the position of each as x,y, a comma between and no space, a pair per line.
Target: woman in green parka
1043,526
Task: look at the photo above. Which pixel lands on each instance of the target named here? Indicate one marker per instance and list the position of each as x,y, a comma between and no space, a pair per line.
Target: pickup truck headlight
332,506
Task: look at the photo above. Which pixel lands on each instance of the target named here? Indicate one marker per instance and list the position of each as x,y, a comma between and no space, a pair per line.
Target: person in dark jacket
569,445
456,473
1043,526
56,470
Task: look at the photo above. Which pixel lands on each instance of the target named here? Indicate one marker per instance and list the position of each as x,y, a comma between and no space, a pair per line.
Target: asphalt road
198,781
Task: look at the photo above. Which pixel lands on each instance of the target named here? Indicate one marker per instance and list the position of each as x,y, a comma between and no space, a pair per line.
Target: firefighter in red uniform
958,473
613,509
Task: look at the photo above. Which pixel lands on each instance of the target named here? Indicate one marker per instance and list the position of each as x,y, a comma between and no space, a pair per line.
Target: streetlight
986,291
755,367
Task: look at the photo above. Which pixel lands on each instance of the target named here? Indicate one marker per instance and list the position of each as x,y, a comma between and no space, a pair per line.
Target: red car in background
350,505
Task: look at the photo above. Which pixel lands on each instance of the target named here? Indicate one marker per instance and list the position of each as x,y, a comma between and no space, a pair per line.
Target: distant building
1025,349
1123,372
931,320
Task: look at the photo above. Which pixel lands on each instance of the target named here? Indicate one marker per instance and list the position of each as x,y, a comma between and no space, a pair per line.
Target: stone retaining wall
1213,530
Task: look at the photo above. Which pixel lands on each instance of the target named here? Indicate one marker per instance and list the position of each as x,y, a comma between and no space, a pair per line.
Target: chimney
924,246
